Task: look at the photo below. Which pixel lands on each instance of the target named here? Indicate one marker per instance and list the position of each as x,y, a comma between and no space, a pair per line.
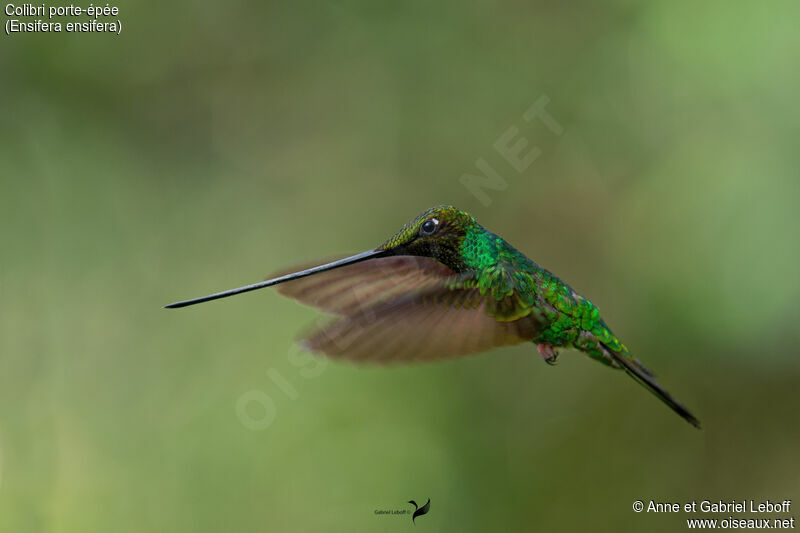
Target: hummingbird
445,286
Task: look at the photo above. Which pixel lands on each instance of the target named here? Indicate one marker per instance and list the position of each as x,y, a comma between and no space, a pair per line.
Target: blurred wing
348,290
431,323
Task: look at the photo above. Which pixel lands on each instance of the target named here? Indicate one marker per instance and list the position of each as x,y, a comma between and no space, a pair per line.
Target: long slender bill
363,256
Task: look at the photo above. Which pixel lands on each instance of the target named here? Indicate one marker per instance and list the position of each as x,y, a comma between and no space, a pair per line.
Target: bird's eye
429,226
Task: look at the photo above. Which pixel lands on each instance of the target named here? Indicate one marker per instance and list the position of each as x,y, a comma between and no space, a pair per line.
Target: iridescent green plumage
502,273
444,286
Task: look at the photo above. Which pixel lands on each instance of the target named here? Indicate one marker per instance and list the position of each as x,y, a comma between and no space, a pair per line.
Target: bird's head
439,233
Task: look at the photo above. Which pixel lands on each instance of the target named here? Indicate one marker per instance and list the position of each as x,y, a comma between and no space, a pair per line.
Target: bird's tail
641,374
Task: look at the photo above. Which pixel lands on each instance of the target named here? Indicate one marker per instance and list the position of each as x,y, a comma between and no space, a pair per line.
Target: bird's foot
547,352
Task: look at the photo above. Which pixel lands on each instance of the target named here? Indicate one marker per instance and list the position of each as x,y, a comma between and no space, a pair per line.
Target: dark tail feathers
641,374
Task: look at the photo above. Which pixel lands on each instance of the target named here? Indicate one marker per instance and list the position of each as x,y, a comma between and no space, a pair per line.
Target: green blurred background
211,144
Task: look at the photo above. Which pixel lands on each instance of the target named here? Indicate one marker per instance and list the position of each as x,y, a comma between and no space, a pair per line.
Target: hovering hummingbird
445,286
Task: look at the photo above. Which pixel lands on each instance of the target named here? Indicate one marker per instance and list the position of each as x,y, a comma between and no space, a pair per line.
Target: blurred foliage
210,144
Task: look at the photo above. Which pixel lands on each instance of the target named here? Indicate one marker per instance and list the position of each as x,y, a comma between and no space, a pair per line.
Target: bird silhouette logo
419,511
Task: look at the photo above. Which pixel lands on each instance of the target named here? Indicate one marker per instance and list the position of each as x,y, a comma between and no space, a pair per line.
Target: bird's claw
547,352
